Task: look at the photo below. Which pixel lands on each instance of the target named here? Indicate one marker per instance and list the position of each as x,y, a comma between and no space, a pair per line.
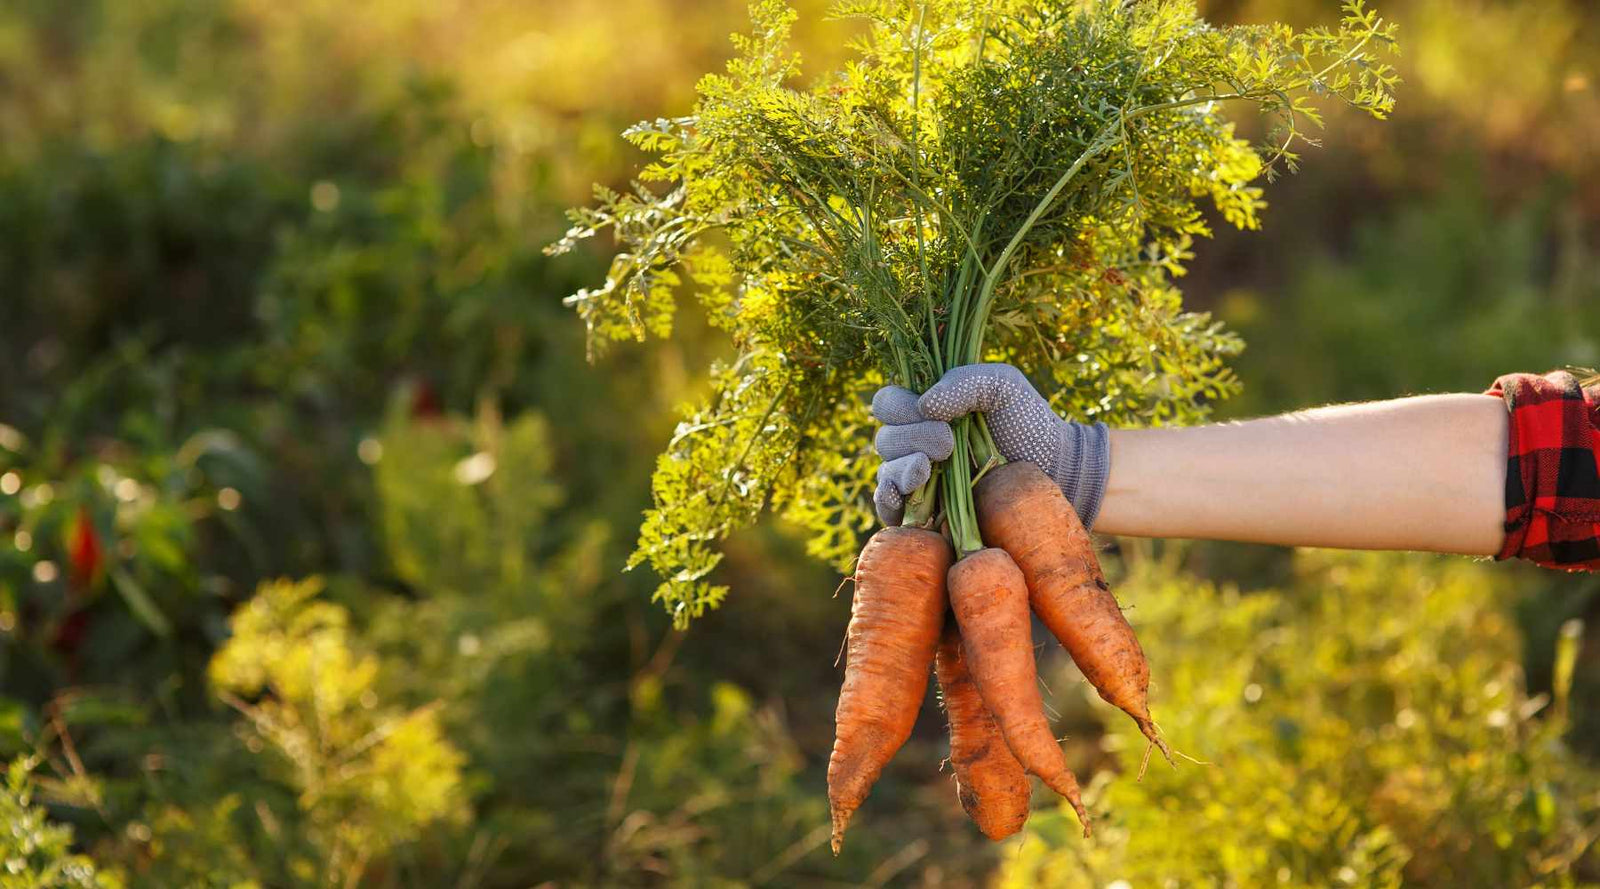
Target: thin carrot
894,628
1022,511
990,599
991,784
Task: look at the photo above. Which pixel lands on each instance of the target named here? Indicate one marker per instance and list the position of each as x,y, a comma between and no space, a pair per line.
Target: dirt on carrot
992,786
1022,511
895,620
990,598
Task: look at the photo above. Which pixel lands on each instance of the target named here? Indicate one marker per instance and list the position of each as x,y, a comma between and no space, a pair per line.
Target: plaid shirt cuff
1552,471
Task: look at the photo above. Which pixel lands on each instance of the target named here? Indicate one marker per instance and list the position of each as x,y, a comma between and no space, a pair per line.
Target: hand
916,433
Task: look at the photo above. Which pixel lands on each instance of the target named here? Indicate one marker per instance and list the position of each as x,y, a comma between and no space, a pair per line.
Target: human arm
1424,473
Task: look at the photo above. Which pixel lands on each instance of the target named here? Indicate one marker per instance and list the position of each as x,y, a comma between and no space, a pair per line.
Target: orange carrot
990,599
991,784
894,628
1022,511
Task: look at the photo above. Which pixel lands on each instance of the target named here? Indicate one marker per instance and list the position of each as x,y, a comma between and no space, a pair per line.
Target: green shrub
36,853
1368,726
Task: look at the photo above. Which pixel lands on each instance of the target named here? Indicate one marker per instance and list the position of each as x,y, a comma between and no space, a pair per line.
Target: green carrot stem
978,441
992,449
980,311
920,505
958,495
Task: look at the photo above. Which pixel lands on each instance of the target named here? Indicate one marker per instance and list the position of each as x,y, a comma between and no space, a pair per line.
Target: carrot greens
1013,181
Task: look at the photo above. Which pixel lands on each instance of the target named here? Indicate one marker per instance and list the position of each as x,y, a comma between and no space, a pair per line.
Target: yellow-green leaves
36,852
285,639
1366,725
716,475
1006,181
367,775
637,296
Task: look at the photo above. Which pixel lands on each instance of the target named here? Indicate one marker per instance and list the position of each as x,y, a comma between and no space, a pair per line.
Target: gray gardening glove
916,433
909,445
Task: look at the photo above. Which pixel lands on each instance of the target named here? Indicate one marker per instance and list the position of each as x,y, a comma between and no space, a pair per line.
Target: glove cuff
1082,463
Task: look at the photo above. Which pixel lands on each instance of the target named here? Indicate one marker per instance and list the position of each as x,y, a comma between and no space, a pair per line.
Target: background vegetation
311,510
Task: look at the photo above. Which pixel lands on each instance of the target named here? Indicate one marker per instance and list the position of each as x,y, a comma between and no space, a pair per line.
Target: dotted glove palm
916,434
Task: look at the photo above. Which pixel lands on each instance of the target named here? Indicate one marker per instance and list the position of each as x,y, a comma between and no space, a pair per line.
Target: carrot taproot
991,785
895,620
1022,511
990,599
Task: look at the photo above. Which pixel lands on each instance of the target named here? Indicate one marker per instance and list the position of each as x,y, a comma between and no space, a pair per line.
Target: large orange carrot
1023,512
990,599
894,628
991,784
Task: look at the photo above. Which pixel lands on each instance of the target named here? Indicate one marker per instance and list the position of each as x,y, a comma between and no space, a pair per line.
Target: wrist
1082,465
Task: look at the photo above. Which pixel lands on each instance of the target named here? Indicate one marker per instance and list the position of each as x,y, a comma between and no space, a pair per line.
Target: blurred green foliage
273,320
366,778
34,852
1497,290
1365,726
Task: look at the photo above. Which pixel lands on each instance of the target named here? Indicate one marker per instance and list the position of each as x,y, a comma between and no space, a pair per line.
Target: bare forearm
1424,473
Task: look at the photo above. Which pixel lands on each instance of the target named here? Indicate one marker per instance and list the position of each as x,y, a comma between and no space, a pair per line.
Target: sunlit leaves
716,475
36,852
367,776
637,296
1010,181
831,500
1368,725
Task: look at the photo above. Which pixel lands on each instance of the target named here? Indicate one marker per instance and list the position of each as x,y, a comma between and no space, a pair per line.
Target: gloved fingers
930,437
896,480
906,474
895,406
973,387
890,516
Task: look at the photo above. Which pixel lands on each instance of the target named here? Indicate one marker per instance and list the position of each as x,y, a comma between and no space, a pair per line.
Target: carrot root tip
1148,727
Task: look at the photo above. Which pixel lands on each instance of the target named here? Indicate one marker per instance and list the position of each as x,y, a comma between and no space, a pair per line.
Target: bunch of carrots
916,606
1007,180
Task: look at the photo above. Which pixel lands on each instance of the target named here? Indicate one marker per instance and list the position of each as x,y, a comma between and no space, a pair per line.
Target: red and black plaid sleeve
1553,471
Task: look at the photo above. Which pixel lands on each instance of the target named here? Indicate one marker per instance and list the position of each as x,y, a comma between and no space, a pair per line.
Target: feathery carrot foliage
1015,181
